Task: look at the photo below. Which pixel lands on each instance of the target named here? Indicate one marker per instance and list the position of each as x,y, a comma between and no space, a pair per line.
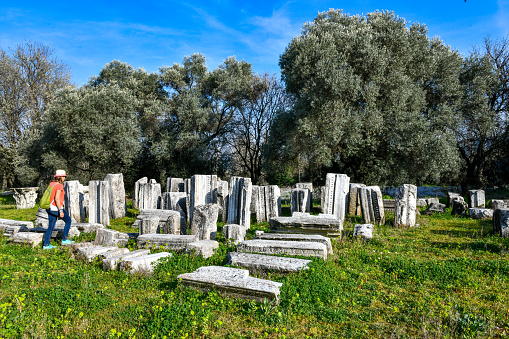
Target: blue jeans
52,220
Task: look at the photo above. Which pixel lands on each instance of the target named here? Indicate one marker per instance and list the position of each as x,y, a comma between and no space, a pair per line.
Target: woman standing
56,211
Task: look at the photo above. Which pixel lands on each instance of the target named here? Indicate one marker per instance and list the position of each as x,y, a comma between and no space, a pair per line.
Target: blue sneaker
67,242
49,247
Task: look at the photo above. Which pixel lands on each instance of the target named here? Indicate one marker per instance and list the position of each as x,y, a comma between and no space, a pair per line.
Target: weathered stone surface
421,202
459,207
107,237
297,237
33,239
84,198
9,231
175,185
234,233
118,206
58,231
112,263
480,213
150,195
136,193
72,199
430,201
205,248
86,227
222,199
372,205
25,197
113,253
364,231
170,222
434,208
142,264
501,222
354,201
203,192
336,191
476,198
406,199
175,201
389,205
301,248
451,196
99,202
8,222
166,241
498,204
239,201
149,225
41,219
204,222
91,252
305,223
300,200
232,282
259,263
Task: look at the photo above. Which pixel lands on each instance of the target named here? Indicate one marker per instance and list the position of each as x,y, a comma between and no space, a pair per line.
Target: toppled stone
41,219
259,263
259,233
204,222
364,231
232,282
406,199
305,223
205,248
32,239
300,248
4,223
107,237
142,264
9,231
434,208
87,227
498,204
476,198
112,263
480,213
234,233
113,253
451,196
459,207
91,252
297,237
165,241
501,222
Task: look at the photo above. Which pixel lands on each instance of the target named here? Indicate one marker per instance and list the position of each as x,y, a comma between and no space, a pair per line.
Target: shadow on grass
478,246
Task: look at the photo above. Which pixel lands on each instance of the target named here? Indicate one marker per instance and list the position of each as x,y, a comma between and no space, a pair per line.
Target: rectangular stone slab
301,248
256,263
58,231
90,253
143,264
33,239
9,222
297,237
112,263
232,282
166,241
310,224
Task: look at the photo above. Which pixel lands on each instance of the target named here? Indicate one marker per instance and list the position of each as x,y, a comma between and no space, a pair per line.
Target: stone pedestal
300,200
25,197
372,205
136,193
150,195
336,191
118,207
476,198
406,205
99,204
204,223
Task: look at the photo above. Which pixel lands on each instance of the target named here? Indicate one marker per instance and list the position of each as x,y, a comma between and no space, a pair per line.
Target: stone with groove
166,241
296,248
259,263
297,237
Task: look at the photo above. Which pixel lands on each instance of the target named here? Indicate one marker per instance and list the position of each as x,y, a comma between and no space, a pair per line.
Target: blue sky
150,34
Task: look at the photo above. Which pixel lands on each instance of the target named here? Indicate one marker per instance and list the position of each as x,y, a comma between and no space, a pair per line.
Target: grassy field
448,278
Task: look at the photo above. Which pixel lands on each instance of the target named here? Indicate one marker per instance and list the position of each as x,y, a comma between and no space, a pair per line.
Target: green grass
447,278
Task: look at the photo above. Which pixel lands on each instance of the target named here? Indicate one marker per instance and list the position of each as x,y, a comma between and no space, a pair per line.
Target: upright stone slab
222,199
99,203
72,199
239,201
476,198
308,186
118,206
169,221
175,185
272,201
187,188
234,233
372,205
354,202
175,201
25,197
406,205
149,225
84,197
203,191
204,223
150,195
300,200
336,191
258,203
501,222
136,193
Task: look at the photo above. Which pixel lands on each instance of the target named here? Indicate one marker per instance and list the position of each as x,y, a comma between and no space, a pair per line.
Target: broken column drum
118,206
239,201
336,191
406,205
99,211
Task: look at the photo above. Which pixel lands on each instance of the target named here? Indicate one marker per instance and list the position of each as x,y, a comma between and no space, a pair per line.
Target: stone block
234,233
86,227
406,209
175,185
300,200
170,222
25,197
297,237
32,239
435,208
205,248
498,204
354,201
58,231
322,224
136,192
91,252
364,231
175,201
239,201
150,195
9,231
149,225
259,263
222,199
72,199
481,213
112,263
501,222
107,237
99,202
165,241
372,205
203,192
476,198
113,253
231,282
143,264
117,198
8,222
459,207
451,196
204,222
296,248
